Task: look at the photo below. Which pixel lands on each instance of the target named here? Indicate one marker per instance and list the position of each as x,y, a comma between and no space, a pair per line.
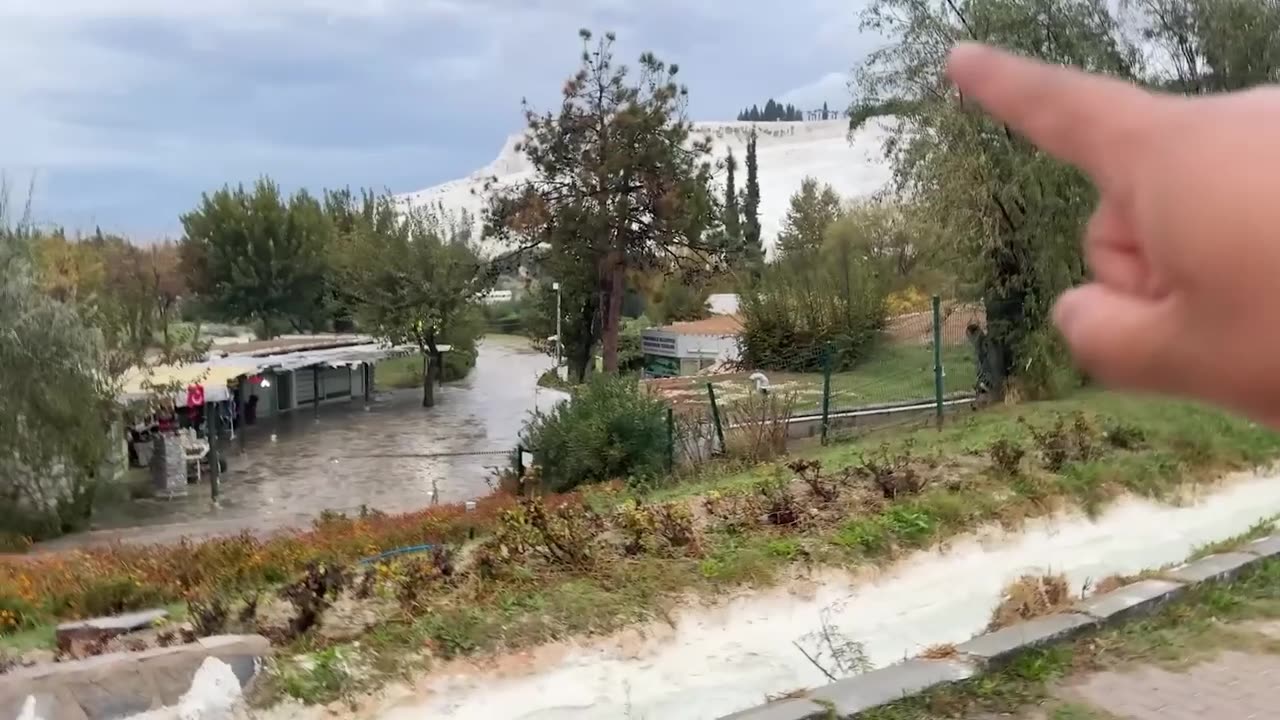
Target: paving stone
108,626
1140,598
1267,547
111,702
1233,686
46,706
880,687
1002,645
1214,568
791,709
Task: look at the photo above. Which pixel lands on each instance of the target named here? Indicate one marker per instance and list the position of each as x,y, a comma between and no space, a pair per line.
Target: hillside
788,152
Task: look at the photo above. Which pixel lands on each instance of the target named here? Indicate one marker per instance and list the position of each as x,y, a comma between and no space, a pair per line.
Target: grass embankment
518,574
892,373
1194,628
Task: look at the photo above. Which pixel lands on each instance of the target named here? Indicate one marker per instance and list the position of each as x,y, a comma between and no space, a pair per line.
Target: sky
122,112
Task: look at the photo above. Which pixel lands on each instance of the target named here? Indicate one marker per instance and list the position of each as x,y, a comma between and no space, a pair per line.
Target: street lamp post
559,346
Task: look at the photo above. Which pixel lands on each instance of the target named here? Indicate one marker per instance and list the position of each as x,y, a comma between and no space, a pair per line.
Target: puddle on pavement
353,457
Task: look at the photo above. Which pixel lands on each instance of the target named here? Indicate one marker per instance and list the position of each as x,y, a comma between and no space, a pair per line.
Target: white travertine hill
787,153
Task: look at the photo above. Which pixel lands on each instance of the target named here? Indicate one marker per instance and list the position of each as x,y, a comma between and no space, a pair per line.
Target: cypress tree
754,250
732,219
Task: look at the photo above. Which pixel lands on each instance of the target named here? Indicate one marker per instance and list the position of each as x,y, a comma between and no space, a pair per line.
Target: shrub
807,304
18,614
610,429
1124,436
1061,443
892,472
1006,456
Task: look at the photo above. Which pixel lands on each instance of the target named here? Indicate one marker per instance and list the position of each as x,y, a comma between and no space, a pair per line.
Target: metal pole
715,415
937,358
315,389
366,372
519,461
242,385
213,425
826,392
671,439
559,342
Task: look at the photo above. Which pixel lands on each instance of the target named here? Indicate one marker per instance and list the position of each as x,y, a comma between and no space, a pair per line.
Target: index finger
1091,121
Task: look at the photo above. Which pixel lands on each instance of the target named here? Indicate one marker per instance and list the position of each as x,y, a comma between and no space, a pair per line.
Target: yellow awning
207,374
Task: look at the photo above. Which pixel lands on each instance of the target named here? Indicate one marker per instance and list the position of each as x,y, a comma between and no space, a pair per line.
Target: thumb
1122,340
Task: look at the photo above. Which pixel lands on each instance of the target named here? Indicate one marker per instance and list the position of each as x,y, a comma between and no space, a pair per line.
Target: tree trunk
613,275
429,369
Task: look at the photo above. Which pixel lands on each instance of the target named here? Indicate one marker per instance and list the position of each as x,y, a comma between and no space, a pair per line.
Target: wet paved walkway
395,456
1236,684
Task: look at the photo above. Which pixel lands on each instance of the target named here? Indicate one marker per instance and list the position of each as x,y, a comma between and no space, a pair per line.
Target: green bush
807,303
611,428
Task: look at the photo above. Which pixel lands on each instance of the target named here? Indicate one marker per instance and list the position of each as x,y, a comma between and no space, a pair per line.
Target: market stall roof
215,374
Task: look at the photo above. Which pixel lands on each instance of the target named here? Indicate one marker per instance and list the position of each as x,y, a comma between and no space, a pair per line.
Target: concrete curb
851,697
121,684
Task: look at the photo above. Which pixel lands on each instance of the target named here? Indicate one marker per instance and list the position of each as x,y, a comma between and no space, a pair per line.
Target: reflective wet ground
395,456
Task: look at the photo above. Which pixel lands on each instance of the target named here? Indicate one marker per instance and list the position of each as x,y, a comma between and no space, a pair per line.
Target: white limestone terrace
787,152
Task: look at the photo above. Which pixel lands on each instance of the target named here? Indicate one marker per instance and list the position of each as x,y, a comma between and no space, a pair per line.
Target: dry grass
1032,596
939,652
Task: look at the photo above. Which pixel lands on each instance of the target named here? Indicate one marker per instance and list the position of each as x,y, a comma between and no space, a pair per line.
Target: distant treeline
777,112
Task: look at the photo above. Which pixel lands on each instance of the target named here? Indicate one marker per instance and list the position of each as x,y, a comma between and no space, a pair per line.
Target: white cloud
183,89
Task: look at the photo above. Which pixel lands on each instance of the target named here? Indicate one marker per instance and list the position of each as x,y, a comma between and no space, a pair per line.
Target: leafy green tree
54,403
261,256
1014,213
807,303
1211,45
619,184
813,209
412,278
898,241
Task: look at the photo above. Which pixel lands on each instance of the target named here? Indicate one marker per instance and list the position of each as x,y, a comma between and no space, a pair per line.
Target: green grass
399,372
1198,626
893,373
1180,437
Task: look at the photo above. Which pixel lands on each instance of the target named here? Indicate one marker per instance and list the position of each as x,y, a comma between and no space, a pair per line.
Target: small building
278,376
687,348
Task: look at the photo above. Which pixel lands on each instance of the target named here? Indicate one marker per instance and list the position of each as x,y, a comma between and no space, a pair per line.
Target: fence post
938,371
715,415
826,392
671,439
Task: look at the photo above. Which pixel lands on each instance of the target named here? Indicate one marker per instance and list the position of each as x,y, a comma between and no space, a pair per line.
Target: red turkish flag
195,396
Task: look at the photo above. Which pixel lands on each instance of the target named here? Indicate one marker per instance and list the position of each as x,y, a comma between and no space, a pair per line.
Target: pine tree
618,185
755,113
732,219
754,250
825,114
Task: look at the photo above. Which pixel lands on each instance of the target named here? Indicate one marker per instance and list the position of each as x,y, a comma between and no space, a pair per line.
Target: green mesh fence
894,382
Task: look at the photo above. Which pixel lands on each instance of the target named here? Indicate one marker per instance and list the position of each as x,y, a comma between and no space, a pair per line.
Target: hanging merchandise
195,396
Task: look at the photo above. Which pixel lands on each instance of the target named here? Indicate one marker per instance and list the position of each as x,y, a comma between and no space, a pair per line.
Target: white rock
214,695
29,709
